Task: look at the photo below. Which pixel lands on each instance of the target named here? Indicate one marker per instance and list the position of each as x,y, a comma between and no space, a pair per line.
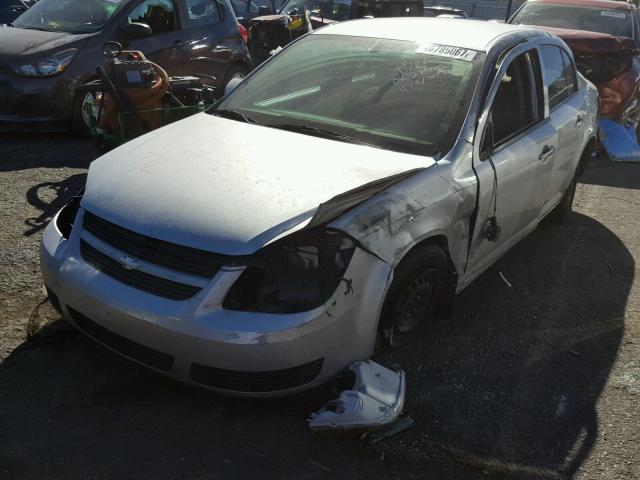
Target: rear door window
570,72
160,15
559,74
201,13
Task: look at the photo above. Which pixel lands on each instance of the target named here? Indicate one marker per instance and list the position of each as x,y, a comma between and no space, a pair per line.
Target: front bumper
40,104
197,341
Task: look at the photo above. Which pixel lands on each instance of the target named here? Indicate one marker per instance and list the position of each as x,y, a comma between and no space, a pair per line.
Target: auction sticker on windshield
447,51
611,13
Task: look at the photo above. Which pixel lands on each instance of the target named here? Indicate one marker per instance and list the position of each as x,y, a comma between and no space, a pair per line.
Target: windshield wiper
232,114
42,29
321,132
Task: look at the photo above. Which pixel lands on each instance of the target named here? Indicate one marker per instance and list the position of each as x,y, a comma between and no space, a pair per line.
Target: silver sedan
339,196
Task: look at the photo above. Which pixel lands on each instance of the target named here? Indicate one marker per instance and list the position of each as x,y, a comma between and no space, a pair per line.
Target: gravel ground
536,380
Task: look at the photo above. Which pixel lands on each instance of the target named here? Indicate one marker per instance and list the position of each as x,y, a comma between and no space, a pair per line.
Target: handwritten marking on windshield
413,74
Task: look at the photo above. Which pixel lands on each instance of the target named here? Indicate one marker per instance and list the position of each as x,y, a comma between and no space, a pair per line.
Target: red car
604,36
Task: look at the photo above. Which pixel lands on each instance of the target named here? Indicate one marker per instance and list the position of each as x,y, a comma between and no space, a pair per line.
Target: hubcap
414,302
90,108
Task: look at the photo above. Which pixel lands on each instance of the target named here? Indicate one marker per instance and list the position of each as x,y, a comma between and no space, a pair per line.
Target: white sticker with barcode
447,51
613,14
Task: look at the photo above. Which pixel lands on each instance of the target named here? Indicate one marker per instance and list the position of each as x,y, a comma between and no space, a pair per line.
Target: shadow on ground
49,198
612,174
29,151
507,388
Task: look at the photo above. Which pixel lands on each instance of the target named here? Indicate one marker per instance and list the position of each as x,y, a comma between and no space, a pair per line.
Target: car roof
608,4
471,34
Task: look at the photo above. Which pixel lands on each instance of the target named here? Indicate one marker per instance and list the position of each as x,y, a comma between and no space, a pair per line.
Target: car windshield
398,95
341,10
73,16
338,10
613,22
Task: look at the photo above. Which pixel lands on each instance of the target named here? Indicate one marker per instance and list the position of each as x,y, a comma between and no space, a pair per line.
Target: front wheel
418,285
85,113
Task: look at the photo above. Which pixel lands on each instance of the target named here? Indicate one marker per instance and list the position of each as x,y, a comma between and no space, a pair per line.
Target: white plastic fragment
377,399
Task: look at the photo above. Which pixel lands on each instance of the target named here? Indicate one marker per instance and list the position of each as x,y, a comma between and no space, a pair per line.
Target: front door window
160,15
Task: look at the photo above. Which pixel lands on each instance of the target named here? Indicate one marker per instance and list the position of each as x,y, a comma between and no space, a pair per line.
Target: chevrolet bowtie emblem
129,263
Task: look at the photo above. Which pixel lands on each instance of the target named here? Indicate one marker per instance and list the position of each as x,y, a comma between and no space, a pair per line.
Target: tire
84,114
561,212
419,283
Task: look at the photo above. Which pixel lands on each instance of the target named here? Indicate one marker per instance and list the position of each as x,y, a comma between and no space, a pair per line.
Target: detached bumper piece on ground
375,401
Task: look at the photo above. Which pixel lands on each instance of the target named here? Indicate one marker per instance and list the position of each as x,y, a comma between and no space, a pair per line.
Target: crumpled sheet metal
620,142
376,400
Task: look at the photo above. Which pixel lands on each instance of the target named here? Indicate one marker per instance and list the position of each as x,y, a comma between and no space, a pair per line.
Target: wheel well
438,240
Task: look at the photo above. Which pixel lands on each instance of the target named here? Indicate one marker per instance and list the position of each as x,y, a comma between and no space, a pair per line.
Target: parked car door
168,36
207,51
518,146
565,106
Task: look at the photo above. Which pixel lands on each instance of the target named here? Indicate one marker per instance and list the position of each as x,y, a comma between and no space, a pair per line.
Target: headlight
67,215
49,66
295,274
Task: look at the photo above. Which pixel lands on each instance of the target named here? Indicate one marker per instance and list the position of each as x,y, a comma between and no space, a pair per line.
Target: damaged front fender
395,220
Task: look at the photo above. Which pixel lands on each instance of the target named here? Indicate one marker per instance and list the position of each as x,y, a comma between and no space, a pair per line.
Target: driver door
163,47
517,146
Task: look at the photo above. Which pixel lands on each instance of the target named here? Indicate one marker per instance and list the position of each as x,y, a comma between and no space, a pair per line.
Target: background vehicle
12,9
272,31
619,19
54,47
247,9
437,10
385,173
604,37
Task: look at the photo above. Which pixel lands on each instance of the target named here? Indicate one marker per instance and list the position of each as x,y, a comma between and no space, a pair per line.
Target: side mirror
136,30
264,10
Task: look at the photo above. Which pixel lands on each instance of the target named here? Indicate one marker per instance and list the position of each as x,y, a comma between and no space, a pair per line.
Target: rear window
611,21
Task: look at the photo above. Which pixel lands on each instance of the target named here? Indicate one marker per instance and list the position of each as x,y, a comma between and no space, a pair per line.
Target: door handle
179,44
579,121
547,152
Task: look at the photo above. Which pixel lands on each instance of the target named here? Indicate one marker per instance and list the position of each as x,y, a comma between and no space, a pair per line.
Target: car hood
21,42
582,41
230,187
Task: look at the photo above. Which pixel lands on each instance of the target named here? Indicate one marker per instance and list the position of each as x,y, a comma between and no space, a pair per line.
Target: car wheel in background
419,282
234,74
85,113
